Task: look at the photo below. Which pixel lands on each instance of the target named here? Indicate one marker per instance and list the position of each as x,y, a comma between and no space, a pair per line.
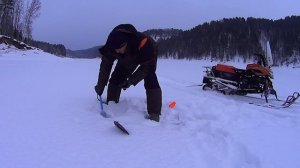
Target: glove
99,89
125,85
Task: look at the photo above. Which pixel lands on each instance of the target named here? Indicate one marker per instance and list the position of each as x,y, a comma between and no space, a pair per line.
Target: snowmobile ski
120,127
287,103
291,99
272,106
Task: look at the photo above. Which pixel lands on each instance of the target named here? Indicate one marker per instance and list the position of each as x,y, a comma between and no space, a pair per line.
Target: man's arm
105,70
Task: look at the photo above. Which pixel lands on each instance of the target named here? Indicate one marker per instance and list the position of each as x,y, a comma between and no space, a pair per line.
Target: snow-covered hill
49,117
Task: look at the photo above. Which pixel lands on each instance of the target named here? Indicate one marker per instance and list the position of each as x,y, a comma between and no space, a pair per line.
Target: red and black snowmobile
256,78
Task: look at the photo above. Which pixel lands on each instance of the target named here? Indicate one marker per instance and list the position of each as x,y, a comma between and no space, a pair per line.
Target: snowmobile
230,80
256,78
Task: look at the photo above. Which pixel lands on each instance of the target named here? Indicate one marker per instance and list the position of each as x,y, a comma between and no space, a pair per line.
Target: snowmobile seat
258,69
225,68
226,72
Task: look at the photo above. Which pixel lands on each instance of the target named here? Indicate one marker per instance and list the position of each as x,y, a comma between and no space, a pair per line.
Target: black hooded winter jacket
141,53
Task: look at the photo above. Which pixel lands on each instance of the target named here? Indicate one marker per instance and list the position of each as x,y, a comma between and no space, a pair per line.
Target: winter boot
153,117
113,93
154,103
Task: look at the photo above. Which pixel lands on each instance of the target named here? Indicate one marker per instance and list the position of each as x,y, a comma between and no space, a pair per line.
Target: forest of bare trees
17,17
16,21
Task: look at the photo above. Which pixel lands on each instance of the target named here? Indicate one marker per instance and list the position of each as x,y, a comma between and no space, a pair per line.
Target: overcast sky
81,24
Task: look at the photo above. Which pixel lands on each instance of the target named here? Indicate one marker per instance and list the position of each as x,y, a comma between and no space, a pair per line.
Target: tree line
227,39
16,20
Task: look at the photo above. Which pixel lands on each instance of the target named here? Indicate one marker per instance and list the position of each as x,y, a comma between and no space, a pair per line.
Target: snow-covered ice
49,117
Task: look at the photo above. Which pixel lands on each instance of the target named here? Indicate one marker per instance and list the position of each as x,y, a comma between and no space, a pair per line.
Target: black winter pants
153,90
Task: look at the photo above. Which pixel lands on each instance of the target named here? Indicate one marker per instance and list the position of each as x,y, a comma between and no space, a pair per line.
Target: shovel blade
105,115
